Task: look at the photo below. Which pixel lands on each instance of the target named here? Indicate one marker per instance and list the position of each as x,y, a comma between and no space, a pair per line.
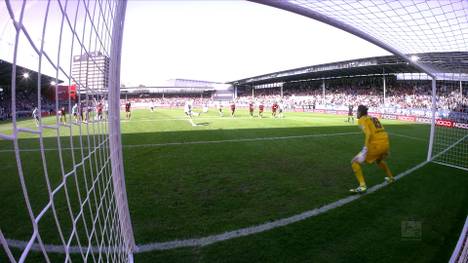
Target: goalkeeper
376,147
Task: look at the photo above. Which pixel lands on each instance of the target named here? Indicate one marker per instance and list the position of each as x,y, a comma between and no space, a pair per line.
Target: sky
226,40
203,40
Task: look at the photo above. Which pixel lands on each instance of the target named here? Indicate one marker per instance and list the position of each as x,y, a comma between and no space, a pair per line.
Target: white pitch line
231,119
407,136
229,141
183,118
213,141
245,139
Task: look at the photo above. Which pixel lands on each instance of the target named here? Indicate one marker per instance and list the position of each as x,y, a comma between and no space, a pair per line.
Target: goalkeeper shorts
377,152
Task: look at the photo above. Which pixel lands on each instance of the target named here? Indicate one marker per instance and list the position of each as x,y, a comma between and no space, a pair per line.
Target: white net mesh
450,145
63,194
416,26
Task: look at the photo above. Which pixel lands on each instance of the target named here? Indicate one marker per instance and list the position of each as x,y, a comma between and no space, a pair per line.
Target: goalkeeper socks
384,166
358,172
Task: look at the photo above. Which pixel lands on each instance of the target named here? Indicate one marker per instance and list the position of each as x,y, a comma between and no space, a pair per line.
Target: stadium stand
26,93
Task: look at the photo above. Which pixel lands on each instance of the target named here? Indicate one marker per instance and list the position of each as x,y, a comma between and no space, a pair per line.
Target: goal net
62,182
450,126
411,30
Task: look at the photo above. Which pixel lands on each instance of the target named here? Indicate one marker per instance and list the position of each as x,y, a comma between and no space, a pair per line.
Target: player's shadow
203,124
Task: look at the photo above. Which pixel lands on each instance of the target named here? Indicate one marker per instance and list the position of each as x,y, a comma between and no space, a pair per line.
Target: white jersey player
219,106
188,111
106,109
75,112
35,115
280,109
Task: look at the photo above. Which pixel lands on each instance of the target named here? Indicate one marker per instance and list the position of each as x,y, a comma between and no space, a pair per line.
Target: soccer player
63,115
75,112
99,108
35,115
274,107
128,112
350,113
280,109
220,109
106,109
376,147
261,107
188,111
205,107
251,108
83,112
233,108
152,106
89,111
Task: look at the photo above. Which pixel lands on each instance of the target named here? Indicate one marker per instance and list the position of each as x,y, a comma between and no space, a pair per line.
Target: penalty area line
229,141
319,135
321,118
407,136
244,139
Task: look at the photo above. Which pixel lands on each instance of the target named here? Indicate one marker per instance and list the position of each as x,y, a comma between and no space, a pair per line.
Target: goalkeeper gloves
364,150
361,156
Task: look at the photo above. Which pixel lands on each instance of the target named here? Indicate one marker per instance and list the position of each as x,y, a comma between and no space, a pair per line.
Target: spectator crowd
400,99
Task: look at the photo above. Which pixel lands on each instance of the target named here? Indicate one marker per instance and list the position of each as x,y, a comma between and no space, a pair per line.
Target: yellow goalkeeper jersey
374,131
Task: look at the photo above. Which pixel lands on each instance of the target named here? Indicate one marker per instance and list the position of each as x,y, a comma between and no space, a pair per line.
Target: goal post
433,118
114,128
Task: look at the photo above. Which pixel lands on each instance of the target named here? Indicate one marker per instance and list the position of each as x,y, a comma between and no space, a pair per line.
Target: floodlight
26,75
414,58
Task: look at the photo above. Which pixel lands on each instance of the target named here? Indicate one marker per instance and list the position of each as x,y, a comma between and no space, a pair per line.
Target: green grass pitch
228,173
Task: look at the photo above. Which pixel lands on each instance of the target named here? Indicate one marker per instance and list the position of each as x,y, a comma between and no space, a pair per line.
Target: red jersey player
260,109
233,108
63,114
99,108
274,107
251,108
128,112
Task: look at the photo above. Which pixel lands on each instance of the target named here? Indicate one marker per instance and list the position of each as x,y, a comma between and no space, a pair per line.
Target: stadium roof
447,62
166,89
6,71
400,27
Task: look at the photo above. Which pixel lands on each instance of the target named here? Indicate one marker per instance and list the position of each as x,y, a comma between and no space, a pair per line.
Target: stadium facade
447,63
181,87
452,69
